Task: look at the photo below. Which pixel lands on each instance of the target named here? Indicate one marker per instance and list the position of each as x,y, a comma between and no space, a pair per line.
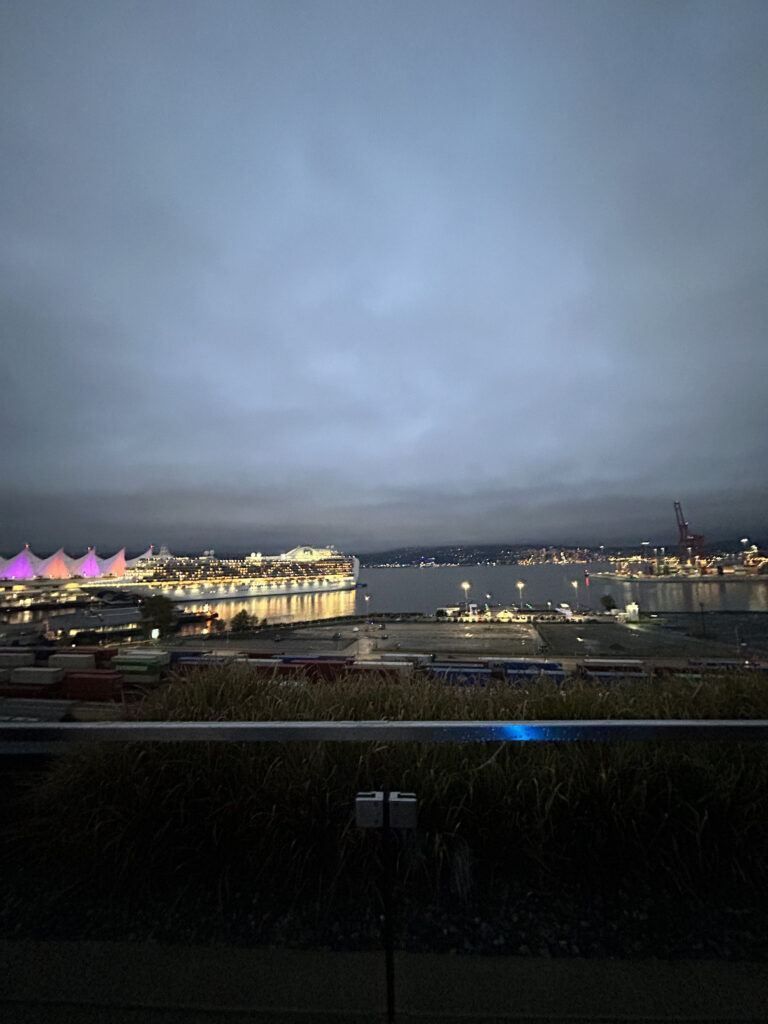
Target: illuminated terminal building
304,569
26,565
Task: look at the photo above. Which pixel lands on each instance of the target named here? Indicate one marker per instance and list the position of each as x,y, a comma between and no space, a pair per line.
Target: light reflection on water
281,608
414,589
424,590
731,595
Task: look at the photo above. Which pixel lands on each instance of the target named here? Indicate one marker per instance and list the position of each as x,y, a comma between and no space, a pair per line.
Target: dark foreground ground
93,982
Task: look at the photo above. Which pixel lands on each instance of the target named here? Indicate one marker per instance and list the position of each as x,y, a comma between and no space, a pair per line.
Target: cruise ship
303,570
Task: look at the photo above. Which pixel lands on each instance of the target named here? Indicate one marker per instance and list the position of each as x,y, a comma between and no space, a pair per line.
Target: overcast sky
379,273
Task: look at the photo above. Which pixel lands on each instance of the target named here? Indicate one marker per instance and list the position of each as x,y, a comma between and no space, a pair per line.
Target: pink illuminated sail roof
114,566
55,567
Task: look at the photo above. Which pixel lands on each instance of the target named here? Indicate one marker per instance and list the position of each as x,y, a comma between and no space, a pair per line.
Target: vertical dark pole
389,938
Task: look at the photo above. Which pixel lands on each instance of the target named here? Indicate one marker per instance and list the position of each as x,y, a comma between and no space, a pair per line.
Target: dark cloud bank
379,274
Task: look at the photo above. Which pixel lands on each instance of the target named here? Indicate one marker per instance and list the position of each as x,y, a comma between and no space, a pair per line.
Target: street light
465,587
575,585
520,586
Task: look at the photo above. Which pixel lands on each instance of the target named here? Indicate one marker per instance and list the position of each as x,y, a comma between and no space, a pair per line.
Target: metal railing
34,737
51,737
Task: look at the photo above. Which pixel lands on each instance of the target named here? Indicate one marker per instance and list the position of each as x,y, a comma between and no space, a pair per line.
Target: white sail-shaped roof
149,553
71,563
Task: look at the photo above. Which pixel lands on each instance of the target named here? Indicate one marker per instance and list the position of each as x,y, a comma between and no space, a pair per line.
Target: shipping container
159,657
94,686
30,691
36,674
74,660
11,657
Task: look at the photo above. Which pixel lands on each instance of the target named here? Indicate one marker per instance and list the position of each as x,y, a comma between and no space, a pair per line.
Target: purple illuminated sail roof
22,567
88,565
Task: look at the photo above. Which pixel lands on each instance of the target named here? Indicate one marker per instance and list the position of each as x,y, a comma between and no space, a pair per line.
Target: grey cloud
404,272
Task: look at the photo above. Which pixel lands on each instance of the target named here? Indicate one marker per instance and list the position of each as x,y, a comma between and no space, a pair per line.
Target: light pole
465,587
367,618
575,585
520,584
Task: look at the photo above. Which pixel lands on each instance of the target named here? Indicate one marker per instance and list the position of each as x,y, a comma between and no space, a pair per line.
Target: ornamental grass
273,823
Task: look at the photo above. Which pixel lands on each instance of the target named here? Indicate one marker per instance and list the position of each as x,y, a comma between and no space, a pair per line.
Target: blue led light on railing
521,732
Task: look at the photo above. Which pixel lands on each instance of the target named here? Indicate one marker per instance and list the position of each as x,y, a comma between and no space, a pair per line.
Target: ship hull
242,591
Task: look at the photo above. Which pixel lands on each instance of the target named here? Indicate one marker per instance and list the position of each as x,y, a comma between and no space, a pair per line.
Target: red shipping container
104,685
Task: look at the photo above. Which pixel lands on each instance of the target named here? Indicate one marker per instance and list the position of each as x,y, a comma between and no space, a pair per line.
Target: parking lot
465,640
616,640
652,638
355,638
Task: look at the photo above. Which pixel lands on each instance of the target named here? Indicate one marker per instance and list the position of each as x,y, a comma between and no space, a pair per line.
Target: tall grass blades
275,821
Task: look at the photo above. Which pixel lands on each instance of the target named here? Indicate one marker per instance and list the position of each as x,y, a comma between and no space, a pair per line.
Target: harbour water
424,590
